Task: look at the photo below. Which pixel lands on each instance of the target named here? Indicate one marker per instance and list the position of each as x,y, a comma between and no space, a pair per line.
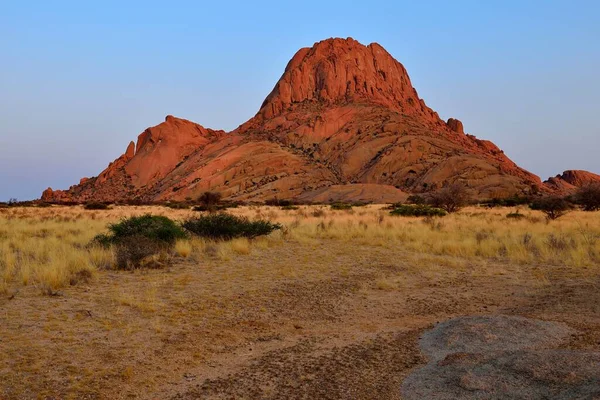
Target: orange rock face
341,114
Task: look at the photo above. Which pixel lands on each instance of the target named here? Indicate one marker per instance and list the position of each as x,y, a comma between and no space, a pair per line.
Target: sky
79,80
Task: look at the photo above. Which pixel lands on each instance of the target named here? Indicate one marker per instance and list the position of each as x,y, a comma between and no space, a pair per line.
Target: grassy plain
329,301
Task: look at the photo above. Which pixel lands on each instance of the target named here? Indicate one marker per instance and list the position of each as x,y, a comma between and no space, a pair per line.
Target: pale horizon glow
80,81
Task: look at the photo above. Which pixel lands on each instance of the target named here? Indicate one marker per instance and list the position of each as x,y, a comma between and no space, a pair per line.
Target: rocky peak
344,71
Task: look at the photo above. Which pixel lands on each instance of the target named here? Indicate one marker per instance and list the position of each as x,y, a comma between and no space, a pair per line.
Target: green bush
154,227
290,207
224,226
94,205
407,210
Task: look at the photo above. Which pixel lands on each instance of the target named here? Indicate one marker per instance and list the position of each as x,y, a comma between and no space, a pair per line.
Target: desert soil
316,320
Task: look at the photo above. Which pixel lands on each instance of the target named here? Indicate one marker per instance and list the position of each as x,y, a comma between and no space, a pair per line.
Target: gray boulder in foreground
503,357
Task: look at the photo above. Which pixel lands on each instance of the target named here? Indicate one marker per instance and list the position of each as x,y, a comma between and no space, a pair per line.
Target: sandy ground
327,320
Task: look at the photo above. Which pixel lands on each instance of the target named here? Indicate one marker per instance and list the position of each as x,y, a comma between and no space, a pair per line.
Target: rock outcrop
341,114
570,180
455,125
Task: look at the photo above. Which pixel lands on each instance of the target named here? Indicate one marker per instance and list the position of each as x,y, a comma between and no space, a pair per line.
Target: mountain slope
342,113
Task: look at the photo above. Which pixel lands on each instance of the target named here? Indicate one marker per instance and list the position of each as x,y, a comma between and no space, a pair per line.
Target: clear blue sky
78,81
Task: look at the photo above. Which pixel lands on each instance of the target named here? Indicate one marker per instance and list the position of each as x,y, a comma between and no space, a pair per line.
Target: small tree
450,198
588,197
210,201
553,206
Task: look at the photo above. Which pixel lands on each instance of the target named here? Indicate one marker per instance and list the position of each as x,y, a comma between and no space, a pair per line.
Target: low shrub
416,199
507,202
94,205
154,227
393,206
278,202
224,226
290,207
407,210
341,206
67,203
177,205
216,207
515,215
230,204
136,202
16,203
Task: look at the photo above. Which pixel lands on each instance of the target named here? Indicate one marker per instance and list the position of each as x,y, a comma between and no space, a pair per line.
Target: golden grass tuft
239,246
183,248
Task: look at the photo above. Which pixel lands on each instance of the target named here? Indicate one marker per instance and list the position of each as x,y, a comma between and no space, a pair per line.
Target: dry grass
573,240
48,247
338,276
